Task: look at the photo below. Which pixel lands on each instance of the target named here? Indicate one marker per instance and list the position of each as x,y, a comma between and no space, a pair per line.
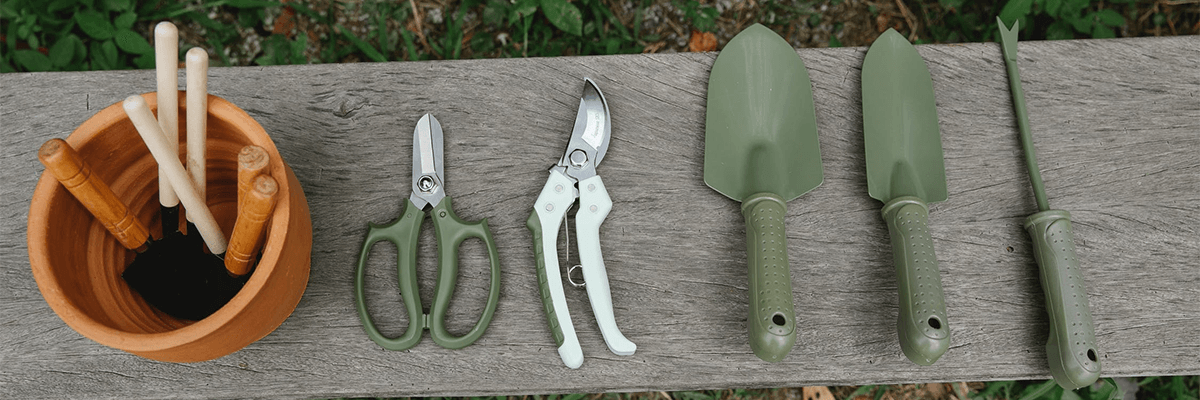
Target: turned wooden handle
252,160
65,164
251,221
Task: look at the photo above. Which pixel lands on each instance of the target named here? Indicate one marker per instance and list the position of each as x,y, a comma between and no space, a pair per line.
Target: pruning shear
574,177
427,190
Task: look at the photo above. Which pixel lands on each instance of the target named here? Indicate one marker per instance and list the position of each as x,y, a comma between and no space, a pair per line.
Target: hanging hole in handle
935,323
1091,354
779,320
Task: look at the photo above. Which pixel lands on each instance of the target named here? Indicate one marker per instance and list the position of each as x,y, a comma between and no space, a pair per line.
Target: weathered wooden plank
1116,122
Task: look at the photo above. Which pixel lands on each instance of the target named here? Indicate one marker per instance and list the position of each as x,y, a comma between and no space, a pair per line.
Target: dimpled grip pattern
772,316
1071,348
924,333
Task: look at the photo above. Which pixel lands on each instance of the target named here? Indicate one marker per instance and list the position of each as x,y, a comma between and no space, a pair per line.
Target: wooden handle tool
251,222
168,160
252,161
65,164
197,119
166,63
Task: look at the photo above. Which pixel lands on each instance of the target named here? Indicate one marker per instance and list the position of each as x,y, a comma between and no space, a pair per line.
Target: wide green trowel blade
900,124
761,149
760,127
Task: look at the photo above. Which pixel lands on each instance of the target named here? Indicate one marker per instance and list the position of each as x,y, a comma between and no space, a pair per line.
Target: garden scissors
574,177
427,190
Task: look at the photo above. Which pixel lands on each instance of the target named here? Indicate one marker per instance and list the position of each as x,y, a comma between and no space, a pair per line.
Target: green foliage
702,17
1067,19
975,21
78,35
564,16
1170,387
1105,389
577,27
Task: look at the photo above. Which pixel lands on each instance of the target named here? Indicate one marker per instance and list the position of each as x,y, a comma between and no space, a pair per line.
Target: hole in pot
1091,354
779,319
934,323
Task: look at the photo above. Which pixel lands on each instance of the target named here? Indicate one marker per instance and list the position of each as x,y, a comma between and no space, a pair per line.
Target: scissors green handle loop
450,231
403,232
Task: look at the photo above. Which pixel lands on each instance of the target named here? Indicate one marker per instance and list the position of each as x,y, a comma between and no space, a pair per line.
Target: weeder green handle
924,334
404,232
1071,348
772,316
451,231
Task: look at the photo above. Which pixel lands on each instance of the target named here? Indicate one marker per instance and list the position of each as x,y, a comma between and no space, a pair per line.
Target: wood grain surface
1117,129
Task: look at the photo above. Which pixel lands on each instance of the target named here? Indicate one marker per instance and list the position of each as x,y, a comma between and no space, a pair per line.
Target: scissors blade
428,174
590,137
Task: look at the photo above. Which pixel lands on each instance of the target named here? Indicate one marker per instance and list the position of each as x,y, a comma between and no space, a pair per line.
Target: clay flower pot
78,264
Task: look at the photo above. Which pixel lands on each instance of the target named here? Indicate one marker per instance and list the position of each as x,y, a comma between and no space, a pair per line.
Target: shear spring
567,231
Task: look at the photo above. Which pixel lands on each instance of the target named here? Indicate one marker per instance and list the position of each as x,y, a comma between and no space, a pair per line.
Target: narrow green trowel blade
760,127
900,123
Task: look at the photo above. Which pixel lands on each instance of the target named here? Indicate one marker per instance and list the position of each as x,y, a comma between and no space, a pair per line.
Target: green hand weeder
1071,348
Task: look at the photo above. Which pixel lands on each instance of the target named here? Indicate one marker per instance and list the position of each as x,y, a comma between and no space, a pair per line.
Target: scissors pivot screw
426,184
578,158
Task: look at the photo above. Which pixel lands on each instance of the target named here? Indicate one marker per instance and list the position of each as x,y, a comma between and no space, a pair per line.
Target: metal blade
760,124
900,124
427,172
590,137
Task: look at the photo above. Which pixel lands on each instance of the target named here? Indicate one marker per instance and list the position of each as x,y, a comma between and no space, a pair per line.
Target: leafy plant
1062,19
1170,387
702,17
579,27
77,35
73,35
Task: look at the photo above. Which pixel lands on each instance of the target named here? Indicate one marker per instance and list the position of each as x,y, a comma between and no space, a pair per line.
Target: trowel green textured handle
772,316
924,334
1071,348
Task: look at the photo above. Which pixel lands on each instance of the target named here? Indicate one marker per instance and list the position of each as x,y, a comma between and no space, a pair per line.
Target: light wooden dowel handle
168,161
166,64
251,221
197,119
65,164
252,160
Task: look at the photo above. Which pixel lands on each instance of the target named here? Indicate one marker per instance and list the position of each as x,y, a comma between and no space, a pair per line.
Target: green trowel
905,171
761,149
1071,348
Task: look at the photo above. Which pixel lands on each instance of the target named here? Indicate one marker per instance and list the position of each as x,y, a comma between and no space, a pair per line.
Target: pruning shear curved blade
590,137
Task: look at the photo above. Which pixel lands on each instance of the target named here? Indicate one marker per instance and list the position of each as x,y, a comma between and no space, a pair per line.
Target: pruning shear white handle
594,205
548,213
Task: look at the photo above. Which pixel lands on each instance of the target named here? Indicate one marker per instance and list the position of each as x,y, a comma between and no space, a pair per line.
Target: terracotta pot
78,264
